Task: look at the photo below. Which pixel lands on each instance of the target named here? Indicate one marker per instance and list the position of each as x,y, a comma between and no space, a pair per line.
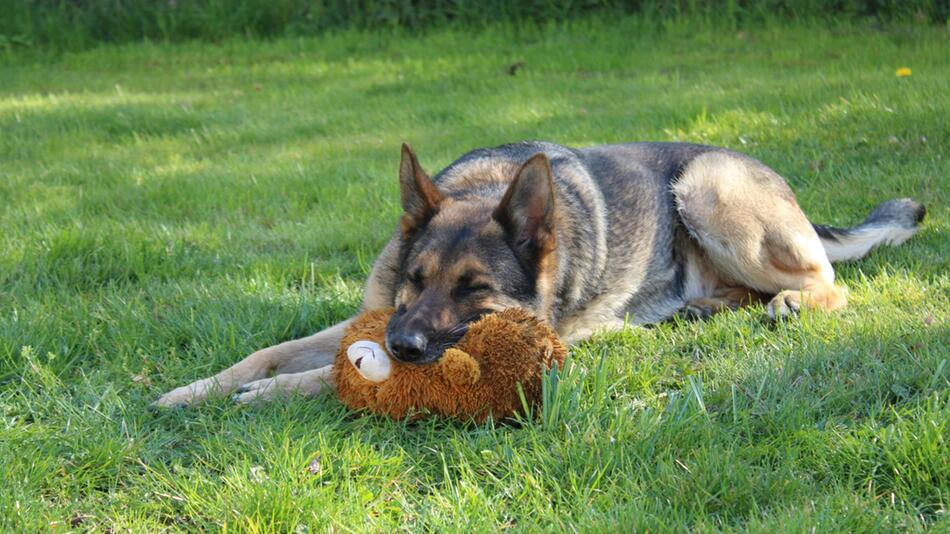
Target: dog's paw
259,390
786,304
307,383
189,395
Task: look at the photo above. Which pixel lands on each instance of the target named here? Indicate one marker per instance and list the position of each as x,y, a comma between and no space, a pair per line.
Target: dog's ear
527,210
420,197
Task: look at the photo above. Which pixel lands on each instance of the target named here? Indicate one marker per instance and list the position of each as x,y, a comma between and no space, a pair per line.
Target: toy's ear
459,368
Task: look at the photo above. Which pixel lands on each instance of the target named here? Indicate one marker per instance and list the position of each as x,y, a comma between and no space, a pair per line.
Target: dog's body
588,239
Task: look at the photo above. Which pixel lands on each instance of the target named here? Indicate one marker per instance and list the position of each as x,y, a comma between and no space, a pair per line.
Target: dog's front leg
311,353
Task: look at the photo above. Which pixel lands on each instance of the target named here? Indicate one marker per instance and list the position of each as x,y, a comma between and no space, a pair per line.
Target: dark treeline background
77,24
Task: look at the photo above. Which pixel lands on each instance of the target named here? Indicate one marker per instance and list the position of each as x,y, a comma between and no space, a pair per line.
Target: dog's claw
792,306
784,306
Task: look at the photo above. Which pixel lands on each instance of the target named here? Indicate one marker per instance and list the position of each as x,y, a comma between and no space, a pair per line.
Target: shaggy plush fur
478,377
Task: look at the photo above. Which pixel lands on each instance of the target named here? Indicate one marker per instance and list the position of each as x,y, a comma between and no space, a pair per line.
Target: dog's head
468,255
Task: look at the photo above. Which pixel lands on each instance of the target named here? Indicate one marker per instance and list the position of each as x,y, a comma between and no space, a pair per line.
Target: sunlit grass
169,209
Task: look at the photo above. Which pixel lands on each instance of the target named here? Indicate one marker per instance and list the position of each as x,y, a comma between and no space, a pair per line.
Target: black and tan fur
588,239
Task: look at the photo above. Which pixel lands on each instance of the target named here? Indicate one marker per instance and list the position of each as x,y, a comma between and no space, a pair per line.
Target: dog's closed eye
469,284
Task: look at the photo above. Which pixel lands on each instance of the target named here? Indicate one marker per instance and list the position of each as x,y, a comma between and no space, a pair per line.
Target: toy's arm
459,367
370,360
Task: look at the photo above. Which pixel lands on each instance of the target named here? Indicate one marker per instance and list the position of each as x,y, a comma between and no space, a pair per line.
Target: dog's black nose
408,347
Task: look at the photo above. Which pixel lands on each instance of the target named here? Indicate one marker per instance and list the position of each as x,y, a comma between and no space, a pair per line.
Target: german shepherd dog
588,239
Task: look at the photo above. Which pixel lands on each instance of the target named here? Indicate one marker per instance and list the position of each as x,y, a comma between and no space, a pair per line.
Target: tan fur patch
752,230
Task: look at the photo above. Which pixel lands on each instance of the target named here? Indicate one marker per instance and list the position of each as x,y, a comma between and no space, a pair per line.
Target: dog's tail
891,223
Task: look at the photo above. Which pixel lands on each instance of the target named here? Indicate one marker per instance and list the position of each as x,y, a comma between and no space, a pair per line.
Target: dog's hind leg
752,232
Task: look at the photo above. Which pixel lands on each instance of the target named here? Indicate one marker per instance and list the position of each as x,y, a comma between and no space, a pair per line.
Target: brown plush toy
476,378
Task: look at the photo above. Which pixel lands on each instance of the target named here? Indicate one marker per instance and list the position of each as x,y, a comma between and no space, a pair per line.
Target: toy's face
478,376
373,363
370,360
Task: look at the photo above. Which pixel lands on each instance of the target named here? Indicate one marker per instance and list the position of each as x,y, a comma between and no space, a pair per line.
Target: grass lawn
166,210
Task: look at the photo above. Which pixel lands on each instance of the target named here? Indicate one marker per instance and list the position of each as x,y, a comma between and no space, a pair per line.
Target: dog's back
617,227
